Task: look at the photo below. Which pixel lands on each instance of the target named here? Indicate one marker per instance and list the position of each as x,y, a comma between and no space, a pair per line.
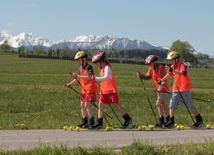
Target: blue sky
158,22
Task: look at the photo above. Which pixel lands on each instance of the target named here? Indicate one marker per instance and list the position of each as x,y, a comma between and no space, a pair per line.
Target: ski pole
94,106
184,102
86,92
149,100
199,99
106,100
111,108
91,102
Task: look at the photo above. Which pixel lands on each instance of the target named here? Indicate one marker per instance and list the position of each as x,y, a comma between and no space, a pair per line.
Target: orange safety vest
108,86
181,82
157,74
87,86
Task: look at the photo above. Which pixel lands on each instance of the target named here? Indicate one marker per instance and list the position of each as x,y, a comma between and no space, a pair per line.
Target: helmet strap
176,61
101,64
155,65
83,62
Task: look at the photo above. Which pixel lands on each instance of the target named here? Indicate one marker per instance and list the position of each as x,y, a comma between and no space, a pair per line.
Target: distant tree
50,52
58,52
5,46
185,50
63,53
202,56
37,50
21,49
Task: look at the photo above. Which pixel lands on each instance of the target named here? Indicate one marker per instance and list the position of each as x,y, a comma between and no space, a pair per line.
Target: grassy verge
136,148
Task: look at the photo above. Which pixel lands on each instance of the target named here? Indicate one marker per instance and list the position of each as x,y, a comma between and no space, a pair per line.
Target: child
181,89
88,89
155,72
108,90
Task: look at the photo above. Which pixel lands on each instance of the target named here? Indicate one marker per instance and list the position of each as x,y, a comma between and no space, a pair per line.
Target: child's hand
67,85
169,69
139,74
92,77
75,75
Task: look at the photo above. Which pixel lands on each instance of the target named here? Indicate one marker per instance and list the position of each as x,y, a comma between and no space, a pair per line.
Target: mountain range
80,42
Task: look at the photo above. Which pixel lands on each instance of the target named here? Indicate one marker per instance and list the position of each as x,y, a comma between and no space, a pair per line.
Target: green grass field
32,94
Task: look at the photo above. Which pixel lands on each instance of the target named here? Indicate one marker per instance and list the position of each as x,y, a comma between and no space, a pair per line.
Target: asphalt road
27,139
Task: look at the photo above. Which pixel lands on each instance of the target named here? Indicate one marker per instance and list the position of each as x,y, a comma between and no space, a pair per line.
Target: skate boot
199,121
89,124
98,125
166,119
160,123
84,122
127,120
169,124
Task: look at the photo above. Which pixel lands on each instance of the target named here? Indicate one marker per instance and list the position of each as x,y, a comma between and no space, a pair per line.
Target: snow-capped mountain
82,41
23,39
4,35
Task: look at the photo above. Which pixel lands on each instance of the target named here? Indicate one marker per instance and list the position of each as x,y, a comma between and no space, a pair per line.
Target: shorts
89,98
161,95
176,98
109,98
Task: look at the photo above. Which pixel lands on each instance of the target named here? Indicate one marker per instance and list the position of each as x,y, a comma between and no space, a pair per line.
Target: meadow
33,96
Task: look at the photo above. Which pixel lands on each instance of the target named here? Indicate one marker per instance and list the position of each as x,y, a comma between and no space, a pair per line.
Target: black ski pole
86,92
199,99
149,101
208,100
184,102
94,106
111,108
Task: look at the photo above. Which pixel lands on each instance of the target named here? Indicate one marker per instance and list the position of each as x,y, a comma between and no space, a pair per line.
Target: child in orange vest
88,89
108,90
180,90
155,72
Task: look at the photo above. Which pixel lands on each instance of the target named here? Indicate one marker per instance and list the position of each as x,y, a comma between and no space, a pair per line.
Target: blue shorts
176,98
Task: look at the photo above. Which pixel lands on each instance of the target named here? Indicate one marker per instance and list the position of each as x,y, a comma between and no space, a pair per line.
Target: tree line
187,53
